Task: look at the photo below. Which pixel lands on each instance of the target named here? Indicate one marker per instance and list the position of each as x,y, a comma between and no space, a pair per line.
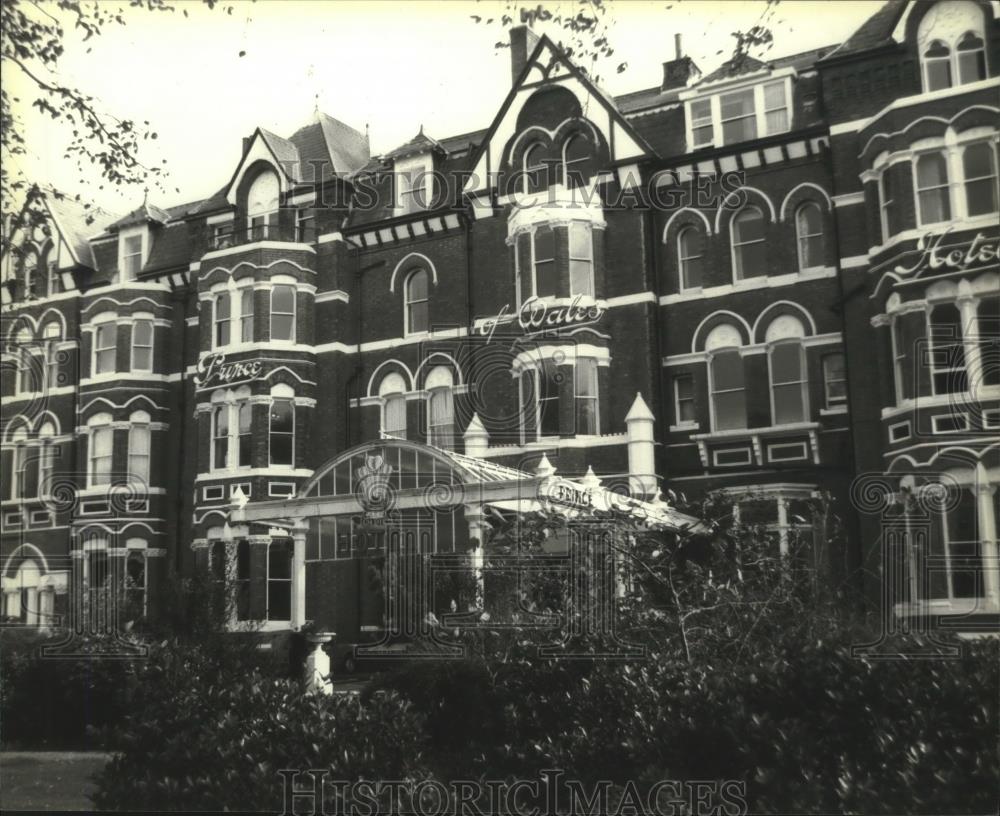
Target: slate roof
421,143
875,31
77,223
143,214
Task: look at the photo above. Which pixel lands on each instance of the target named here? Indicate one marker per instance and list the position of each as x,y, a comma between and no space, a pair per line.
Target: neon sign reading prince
536,316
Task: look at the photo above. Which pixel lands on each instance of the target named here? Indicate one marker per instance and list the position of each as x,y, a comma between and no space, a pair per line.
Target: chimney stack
679,71
522,42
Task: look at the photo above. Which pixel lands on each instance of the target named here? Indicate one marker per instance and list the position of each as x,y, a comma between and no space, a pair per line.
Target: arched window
283,312
23,602
971,54
417,301
729,408
809,232
139,449
689,257
440,408
533,168
281,425
392,390
727,381
46,458
749,252
933,191
222,317
576,153
52,334
937,66
262,206
979,171
142,345
581,260
220,437
947,357
786,361
100,450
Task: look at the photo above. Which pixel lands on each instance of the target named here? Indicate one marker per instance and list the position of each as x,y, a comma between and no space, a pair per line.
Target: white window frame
17,447
52,339
304,216
803,382
46,456
833,402
268,580
231,403
408,302
585,226
802,237
991,145
96,425
711,384
595,398
947,187
293,313
701,122
900,431
735,245
245,318
959,342
265,218
527,169
678,417
139,461
682,259
135,345
953,416
434,389
392,387
112,325
715,106
281,393
217,322
139,255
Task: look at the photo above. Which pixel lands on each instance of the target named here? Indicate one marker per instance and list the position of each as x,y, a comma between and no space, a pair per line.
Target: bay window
279,580
749,249
305,225
947,352
581,260
440,408
244,434
231,429
988,337
689,258
728,389
417,301
586,397
952,48
738,116
18,476
220,437
142,345
809,234
283,312
789,383
105,347
101,450
702,129
221,317
246,315
139,448
46,458
576,153
979,168
281,427
543,262
933,194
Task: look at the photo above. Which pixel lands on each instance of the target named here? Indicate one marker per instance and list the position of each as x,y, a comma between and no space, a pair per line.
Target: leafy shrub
198,741
69,702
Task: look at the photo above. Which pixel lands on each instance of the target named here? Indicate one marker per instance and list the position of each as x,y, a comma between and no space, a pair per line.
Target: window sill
685,426
766,430
835,411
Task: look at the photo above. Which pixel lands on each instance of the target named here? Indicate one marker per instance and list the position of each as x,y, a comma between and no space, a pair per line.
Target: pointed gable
548,66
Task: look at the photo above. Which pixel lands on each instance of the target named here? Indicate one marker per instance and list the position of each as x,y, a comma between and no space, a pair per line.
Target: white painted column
477,440
970,342
478,529
298,577
988,538
782,526
641,449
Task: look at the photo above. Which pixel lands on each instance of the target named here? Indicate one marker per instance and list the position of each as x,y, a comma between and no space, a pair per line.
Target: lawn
48,780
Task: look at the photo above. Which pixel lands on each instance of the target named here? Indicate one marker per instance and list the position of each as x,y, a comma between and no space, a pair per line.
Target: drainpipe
358,365
658,387
179,501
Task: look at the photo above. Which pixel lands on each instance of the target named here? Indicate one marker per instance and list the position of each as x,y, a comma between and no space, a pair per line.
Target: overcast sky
391,65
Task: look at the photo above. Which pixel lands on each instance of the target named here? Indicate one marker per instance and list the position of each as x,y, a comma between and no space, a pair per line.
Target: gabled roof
875,31
346,147
421,143
76,223
733,67
144,214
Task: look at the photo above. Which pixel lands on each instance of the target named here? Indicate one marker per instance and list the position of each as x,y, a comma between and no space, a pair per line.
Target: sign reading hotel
536,316
980,250
213,370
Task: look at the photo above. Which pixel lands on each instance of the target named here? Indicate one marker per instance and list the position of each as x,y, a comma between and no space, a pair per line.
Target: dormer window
740,115
576,153
262,206
951,45
131,257
533,168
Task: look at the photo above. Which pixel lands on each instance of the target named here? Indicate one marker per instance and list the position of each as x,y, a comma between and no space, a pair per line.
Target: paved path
48,780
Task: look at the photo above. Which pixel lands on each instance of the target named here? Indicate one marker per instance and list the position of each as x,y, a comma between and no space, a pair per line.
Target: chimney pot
678,50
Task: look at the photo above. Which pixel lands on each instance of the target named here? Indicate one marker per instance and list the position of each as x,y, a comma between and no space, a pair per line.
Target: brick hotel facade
778,279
